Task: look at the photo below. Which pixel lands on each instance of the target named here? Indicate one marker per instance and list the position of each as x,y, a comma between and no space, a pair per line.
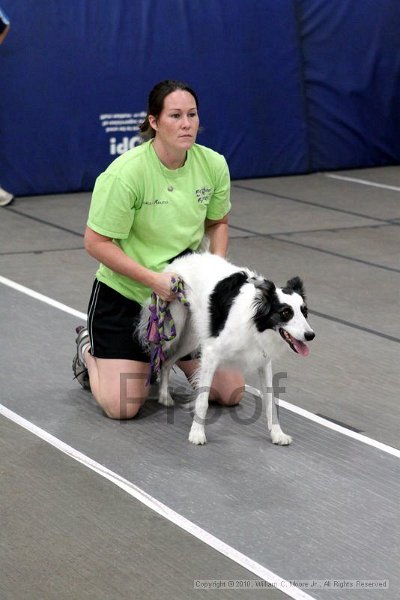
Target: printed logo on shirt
155,202
203,194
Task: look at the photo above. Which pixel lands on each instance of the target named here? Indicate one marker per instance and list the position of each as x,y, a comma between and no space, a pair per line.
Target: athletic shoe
5,197
78,364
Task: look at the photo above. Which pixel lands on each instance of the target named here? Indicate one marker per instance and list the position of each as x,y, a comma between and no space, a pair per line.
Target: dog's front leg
204,379
277,435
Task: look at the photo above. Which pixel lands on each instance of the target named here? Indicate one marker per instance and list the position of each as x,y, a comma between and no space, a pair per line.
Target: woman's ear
153,122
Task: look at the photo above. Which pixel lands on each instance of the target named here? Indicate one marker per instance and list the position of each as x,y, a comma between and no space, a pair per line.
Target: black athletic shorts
112,322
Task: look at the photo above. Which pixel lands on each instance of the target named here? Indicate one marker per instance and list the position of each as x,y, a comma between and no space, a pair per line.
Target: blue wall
285,86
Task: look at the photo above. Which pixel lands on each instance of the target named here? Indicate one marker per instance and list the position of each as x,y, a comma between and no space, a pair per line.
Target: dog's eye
286,314
304,310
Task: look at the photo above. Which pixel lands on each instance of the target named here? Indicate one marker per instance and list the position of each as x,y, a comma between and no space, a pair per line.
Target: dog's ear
296,285
267,287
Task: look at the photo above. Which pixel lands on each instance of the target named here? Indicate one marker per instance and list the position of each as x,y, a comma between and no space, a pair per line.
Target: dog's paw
197,434
280,438
166,399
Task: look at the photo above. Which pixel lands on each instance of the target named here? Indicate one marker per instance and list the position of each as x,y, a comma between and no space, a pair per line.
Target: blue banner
284,87
351,75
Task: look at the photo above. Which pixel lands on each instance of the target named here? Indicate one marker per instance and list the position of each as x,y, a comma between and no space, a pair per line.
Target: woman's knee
121,388
117,405
119,411
231,397
228,388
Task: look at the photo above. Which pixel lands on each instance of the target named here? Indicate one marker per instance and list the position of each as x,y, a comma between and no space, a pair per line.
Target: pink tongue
301,347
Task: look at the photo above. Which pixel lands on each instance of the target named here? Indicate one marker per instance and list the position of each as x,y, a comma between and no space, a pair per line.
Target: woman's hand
163,284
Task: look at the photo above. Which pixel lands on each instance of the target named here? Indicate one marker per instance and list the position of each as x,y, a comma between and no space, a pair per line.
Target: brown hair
156,103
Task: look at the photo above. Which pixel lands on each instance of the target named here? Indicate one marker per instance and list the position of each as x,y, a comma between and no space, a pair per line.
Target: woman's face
178,123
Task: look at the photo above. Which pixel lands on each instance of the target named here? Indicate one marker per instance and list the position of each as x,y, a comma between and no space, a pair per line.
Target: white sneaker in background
5,197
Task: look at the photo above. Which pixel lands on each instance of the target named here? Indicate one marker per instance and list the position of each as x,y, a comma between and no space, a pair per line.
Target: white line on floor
291,407
330,425
277,582
364,182
42,298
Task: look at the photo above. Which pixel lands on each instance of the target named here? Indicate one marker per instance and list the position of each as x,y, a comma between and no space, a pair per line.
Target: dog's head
284,310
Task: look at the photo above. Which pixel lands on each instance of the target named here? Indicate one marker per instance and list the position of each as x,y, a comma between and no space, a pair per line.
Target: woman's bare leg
118,385
227,387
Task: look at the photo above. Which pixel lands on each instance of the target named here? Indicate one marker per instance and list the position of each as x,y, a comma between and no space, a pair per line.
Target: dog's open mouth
296,345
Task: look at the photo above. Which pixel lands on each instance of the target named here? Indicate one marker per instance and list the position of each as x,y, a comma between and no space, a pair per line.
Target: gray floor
326,508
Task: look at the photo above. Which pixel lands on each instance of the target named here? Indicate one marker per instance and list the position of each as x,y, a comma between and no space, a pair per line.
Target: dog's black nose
309,336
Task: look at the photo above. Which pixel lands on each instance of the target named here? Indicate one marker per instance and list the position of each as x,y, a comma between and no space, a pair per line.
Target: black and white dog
236,318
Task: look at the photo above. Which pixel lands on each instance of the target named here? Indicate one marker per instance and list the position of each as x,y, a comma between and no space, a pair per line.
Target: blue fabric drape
285,87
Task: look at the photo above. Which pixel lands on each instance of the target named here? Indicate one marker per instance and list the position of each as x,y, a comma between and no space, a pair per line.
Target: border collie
235,317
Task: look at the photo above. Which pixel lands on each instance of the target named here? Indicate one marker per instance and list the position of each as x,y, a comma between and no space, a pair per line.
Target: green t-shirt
153,213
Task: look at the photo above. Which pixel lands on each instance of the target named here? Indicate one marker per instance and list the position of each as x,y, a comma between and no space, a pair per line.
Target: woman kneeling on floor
151,204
